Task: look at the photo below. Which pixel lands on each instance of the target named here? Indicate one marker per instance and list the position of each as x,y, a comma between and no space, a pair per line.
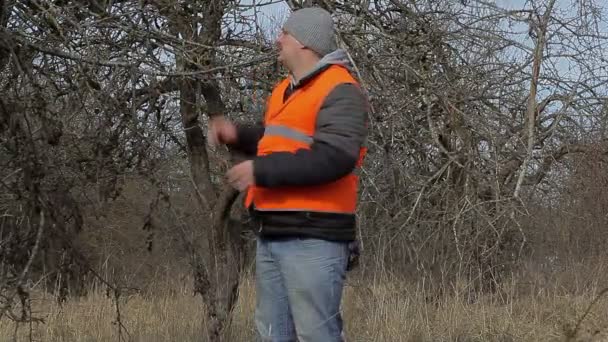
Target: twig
26,269
582,318
67,55
420,193
202,200
121,326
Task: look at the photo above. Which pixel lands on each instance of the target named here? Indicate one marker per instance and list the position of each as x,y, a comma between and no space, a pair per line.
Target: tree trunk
195,140
5,47
218,267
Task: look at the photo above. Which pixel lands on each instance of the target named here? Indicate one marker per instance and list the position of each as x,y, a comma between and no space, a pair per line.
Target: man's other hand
241,175
221,131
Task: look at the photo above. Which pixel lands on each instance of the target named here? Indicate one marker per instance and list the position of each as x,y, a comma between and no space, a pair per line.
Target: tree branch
532,109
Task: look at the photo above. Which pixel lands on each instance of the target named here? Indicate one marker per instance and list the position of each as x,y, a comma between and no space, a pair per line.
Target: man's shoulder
338,74
346,94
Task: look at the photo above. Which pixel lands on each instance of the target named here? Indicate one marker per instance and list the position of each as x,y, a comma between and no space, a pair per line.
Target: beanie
314,28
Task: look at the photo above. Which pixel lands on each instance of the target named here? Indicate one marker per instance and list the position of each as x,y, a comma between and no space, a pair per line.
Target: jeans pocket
320,247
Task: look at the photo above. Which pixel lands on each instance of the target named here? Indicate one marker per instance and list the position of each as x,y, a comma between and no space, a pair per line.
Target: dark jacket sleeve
340,132
247,139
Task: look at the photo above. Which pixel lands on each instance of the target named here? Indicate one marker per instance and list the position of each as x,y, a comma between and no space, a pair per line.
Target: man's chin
282,62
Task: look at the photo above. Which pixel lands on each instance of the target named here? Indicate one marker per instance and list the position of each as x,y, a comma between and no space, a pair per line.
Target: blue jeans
299,285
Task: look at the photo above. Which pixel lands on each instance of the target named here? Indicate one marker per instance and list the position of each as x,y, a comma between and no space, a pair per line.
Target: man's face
289,47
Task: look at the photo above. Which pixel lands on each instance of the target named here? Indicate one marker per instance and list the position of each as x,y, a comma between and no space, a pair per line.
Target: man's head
307,34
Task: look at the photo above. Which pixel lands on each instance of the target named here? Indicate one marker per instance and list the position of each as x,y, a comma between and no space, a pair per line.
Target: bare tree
473,106
96,92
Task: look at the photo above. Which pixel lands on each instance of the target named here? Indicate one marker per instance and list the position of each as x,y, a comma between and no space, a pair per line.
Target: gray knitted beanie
314,28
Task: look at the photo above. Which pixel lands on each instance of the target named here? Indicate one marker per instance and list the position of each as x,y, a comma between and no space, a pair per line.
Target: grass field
535,310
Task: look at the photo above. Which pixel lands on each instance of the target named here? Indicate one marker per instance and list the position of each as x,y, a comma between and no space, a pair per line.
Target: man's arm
247,138
340,133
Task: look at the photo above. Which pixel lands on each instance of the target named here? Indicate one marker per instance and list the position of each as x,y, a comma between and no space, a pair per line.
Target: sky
566,8
277,9
272,15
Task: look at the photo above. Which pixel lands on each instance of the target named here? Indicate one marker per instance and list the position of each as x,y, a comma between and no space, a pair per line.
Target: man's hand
241,175
221,131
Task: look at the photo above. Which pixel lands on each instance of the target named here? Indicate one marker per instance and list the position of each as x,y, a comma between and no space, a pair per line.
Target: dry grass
380,311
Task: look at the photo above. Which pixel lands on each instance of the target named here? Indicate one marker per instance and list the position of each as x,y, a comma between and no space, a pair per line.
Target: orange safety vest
290,126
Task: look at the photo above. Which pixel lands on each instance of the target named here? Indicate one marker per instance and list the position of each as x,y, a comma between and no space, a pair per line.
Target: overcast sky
271,16
274,12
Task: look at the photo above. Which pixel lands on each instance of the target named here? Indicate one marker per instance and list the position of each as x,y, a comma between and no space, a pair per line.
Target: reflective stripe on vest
286,132
290,126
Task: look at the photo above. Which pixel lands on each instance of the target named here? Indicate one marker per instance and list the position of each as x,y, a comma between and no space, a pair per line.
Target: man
301,182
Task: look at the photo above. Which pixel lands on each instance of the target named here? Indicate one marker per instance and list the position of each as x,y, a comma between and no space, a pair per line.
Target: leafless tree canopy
475,111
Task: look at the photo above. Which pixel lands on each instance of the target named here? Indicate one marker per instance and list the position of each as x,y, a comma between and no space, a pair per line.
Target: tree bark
218,267
195,139
5,44
532,108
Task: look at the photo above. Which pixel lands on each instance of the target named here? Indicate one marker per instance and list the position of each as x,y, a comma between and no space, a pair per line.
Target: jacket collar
337,57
